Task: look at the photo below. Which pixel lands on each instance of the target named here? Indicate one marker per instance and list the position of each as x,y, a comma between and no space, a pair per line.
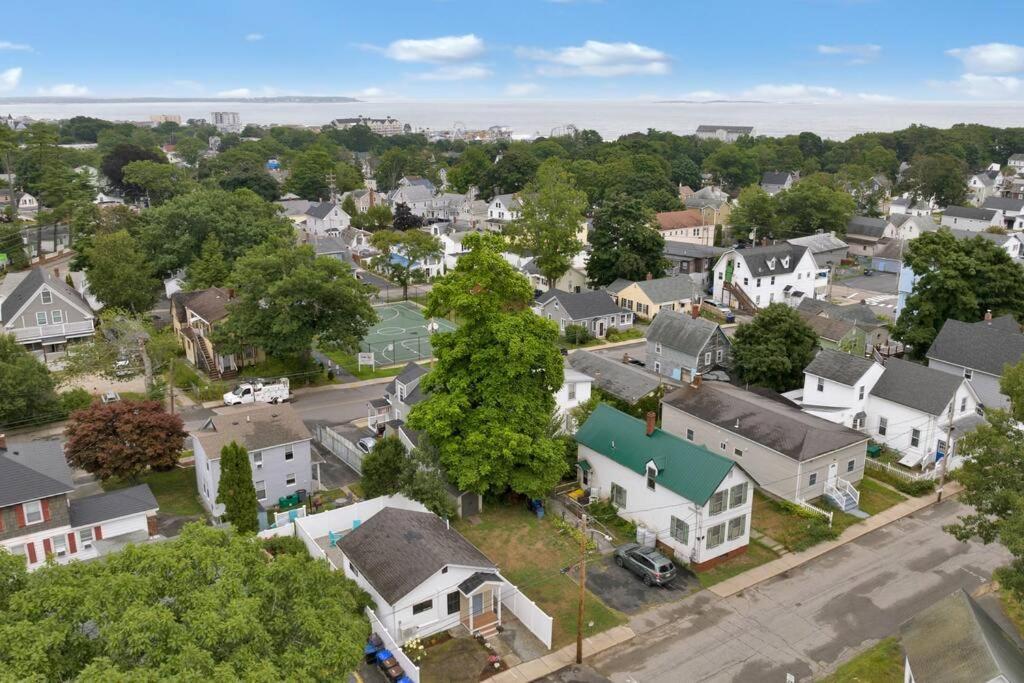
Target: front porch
480,604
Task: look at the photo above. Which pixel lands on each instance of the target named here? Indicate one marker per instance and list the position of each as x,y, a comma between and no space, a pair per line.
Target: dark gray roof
839,367
28,283
476,580
681,332
860,314
411,372
45,456
1003,204
978,346
320,209
709,128
954,641
264,427
923,223
582,305
970,212
916,386
998,238
764,419
210,304
774,177
397,550
687,250
867,226
760,260
111,505
20,483
614,377
829,329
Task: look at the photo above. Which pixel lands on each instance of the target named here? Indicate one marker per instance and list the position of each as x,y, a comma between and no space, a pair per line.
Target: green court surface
401,334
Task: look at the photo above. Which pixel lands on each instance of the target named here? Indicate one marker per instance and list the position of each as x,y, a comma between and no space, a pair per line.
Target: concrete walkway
550,663
766,571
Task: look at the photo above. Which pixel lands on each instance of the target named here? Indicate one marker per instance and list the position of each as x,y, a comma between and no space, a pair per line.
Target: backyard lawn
350,364
756,555
532,553
882,663
793,528
875,497
175,490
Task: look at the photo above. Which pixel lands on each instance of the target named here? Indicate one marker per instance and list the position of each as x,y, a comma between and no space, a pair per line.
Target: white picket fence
899,472
532,617
411,670
814,508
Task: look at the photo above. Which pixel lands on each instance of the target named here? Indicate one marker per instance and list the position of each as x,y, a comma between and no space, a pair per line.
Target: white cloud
369,92
991,58
983,86
875,97
253,37
236,92
64,90
10,78
857,54
704,95
793,91
434,50
14,47
521,89
595,58
455,73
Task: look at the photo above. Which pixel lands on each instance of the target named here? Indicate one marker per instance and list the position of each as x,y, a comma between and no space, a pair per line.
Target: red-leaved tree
123,439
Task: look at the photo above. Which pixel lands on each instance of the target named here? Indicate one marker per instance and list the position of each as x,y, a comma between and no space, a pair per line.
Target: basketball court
402,334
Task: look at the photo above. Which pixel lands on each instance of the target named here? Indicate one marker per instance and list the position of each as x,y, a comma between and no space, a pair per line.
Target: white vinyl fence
411,670
340,446
531,616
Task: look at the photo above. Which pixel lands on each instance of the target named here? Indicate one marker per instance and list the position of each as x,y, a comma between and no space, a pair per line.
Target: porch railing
842,489
814,508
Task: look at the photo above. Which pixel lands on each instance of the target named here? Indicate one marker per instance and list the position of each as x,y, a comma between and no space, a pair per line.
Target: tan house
194,316
647,298
688,226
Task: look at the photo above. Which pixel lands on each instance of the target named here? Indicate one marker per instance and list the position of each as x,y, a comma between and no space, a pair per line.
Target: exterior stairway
843,495
744,302
209,367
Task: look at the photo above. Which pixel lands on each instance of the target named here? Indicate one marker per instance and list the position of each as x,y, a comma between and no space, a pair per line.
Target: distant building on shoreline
725,133
387,126
226,121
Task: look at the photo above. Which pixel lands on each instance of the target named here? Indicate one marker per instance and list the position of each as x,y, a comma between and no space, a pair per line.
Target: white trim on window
33,511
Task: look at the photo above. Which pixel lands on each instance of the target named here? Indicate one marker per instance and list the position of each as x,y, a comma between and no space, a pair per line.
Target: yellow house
647,297
194,316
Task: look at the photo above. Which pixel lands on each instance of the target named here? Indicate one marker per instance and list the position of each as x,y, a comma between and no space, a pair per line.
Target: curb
566,656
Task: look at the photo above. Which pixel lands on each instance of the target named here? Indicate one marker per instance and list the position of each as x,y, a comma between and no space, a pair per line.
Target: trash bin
302,495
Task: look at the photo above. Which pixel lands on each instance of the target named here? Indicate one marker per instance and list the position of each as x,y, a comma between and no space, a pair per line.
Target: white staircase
842,494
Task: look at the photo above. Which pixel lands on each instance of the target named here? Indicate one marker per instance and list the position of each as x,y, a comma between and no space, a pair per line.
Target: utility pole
583,588
949,451
171,383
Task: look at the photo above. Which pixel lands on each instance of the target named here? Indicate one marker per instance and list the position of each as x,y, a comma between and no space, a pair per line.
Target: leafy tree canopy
25,384
236,491
773,350
625,243
119,274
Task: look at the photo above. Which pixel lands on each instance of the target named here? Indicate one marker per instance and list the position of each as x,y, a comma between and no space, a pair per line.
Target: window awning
583,465
476,580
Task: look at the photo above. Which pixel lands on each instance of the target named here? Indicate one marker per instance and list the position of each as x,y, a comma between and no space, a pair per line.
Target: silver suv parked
654,568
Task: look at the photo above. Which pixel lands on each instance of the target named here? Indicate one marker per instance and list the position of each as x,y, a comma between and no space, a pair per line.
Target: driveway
637,350
623,590
881,283
333,473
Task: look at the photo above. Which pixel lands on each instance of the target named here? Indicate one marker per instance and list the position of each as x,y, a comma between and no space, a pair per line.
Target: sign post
366,359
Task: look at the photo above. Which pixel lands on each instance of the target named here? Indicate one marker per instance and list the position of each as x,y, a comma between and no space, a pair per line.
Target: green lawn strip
882,663
917,488
300,371
757,554
350,364
175,490
874,497
1014,609
357,489
459,660
622,530
532,553
794,527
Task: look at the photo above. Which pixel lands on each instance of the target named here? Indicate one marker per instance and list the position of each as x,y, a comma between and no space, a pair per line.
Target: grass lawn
300,371
882,663
175,490
459,660
1014,609
756,555
621,529
792,529
532,553
357,489
874,497
352,365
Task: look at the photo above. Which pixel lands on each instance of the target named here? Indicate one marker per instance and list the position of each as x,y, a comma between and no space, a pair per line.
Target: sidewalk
552,662
766,571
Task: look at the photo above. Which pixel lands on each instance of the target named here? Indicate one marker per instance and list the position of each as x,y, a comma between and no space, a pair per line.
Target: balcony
54,333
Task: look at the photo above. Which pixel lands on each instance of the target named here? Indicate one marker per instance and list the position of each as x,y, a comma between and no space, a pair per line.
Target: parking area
637,351
883,283
623,590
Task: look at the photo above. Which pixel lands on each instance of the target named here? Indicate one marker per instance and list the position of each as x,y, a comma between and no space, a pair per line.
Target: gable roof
681,332
19,483
209,304
820,242
866,226
759,259
979,346
320,209
397,550
684,468
688,250
955,640
775,177
619,379
923,223
412,371
1003,204
916,386
859,314
113,504
670,220
582,305
765,419
837,366
17,289
997,238
263,427
829,329
45,456
970,212
661,290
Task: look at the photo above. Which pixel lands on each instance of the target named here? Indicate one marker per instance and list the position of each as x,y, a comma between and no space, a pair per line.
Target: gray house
979,352
596,311
621,380
42,311
400,395
679,345
774,182
789,453
825,247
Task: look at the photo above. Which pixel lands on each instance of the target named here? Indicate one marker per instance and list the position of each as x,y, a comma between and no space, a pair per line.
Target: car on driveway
651,566
366,444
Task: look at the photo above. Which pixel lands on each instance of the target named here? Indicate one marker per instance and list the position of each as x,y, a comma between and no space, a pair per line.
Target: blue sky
786,50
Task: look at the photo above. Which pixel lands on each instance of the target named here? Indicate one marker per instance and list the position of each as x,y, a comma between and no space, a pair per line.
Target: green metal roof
583,465
690,470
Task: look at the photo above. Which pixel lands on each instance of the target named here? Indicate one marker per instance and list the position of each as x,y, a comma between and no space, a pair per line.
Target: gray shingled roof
923,223
614,377
978,346
661,290
263,427
685,249
681,332
45,456
758,259
860,314
829,329
320,209
955,640
819,243
582,305
772,423
916,386
19,288
866,226
774,177
210,304
111,505
970,212
1003,204
20,483
397,550
996,238
839,367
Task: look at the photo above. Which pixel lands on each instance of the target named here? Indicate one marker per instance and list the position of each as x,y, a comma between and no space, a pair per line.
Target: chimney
650,276
695,311
231,293
988,316
3,442
651,419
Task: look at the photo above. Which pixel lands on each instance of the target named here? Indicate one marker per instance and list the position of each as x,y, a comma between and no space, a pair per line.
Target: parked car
650,565
723,309
366,444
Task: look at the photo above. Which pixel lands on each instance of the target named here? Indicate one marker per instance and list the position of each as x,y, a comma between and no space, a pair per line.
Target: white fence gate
531,616
340,446
411,670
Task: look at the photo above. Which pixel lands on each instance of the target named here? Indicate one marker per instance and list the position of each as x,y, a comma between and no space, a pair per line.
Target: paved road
809,620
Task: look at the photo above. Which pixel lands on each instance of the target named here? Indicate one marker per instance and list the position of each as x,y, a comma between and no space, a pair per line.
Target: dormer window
652,475
771,263
785,262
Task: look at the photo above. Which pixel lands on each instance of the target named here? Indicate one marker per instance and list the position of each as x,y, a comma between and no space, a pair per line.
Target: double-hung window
883,425
680,530
33,512
915,437
715,536
738,495
618,496
718,503
737,526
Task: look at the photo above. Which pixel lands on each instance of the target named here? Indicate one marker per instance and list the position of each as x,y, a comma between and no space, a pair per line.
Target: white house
1011,207
837,386
279,453
326,218
972,218
1016,162
418,197
504,207
690,500
774,182
756,277
575,390
907,226
910,206
722,132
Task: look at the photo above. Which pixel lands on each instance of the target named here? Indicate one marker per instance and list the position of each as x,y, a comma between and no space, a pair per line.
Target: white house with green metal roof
695,503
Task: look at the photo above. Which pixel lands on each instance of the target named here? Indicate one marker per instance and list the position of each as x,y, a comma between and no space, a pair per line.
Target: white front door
833,473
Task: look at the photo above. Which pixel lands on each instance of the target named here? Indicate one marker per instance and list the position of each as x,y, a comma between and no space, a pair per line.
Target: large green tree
624,243
120,156
311,172
207,605
552,211
941,177
210,269
25,384
191,148
733,167
402,252
158,182
120,275
236,491
773,350
956,279
814,205
383,466
288,298
756,212
489,396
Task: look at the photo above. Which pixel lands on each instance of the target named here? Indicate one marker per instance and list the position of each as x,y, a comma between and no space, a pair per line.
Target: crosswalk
879,300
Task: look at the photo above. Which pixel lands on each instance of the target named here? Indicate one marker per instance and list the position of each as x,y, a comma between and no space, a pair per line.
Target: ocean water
835,120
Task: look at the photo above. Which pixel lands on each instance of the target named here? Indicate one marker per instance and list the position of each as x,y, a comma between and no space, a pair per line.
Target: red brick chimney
988,316
651,419
695,311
